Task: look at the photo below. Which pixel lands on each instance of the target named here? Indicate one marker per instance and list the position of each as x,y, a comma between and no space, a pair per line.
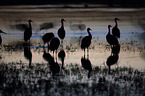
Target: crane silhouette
86,41
61,31
28,32
54,44
86,64
62,55
47,37
28,54
1,37
111,39
115,29
111,60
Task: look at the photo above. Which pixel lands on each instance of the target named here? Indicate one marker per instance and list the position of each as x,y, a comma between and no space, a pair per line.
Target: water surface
131,63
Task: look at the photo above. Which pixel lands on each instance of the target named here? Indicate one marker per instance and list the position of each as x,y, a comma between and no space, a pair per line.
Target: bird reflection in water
28,54
46,55
111,60
62,56
86,64
53,65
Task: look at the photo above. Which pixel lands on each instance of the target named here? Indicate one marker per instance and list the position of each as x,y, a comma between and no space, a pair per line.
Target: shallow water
132,41
132,20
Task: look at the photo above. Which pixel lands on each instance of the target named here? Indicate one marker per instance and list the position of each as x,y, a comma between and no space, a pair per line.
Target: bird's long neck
116,25
108,30
30,25
89,34
62,25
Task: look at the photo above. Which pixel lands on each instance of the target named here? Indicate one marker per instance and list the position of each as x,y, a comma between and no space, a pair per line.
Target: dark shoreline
86,4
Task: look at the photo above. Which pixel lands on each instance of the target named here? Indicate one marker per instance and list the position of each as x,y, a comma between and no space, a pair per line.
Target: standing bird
111,60
47,37
111,39
28,32
115,30
86,41
61,55
1,37
61,31
86,64
54,44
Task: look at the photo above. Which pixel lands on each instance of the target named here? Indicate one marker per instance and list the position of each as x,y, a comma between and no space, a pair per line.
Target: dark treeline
127,3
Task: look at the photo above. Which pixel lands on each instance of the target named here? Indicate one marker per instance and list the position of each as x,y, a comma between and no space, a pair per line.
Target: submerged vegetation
17,79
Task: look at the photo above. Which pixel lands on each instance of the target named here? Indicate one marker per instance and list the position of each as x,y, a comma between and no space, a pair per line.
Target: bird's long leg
56,55
84,52
30,61
89,73
109,70
48,47
87,53
62,63
111,49
62,43
53,54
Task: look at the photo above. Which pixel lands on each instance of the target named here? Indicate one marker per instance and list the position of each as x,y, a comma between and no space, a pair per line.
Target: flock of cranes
54,42
115,46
